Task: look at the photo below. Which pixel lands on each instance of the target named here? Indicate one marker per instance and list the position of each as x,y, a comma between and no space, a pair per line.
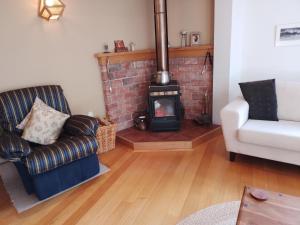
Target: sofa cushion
261,97
288,95
281,134
67,149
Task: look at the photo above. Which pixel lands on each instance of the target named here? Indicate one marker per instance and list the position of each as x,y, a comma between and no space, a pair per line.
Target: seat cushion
67,149
288,96
281,134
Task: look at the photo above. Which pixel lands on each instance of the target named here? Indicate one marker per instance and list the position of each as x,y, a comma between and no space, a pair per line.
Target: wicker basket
106,135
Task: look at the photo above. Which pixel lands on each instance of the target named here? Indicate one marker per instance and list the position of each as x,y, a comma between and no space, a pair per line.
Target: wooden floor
158,188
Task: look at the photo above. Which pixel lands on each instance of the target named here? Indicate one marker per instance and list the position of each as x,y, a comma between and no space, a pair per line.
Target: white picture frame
287,35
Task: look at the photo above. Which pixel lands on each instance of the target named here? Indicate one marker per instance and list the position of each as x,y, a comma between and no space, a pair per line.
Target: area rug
221,214
17,193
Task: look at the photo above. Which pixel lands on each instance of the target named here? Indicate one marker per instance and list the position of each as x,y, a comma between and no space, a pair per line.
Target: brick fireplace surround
126,77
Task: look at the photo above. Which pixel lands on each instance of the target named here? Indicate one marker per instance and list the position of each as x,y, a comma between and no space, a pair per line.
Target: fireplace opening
164,107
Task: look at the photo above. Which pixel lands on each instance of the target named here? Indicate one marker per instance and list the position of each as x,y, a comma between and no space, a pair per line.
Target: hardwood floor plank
98,193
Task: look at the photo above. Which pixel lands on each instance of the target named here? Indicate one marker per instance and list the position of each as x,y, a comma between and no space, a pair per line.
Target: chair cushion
45,124
81,125
281,134
288,96
65,150
12,147
261,97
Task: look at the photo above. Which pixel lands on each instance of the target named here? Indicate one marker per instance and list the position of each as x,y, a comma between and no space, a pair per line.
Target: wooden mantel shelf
139,55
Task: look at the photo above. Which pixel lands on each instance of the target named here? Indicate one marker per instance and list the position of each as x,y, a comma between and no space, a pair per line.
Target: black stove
164,107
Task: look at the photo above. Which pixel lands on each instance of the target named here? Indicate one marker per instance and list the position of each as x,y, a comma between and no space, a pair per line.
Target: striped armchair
48,170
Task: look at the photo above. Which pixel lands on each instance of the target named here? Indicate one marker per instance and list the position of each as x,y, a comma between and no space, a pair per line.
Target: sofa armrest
13,147
233,117
78,125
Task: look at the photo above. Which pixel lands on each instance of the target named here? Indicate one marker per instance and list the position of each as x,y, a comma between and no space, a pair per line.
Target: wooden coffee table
278,209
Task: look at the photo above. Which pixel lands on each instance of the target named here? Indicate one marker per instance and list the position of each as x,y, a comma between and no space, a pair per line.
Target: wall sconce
51,9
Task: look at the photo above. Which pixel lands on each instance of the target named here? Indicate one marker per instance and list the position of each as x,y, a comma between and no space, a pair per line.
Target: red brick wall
129,84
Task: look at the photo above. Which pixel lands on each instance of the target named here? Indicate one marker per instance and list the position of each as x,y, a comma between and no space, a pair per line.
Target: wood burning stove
164,94
164,107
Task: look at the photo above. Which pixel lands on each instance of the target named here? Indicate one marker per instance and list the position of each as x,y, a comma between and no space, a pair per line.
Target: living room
183,112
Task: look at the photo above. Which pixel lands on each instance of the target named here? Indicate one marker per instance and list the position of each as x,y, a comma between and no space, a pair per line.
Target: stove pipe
161,39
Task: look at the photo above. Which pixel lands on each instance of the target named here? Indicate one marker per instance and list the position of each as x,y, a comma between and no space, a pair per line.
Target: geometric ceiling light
51,9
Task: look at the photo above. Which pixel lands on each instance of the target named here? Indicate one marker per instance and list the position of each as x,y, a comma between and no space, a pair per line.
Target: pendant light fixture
51,9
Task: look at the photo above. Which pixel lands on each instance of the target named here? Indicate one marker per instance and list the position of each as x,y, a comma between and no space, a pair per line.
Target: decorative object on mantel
106,135
51,9
106,48
120,46
195,38
132,46
288,35
184,39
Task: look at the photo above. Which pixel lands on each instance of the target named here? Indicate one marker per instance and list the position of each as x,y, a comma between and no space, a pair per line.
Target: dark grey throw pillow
262,100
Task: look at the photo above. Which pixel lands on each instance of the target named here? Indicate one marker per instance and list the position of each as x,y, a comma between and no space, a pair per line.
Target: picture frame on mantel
195,38
288,35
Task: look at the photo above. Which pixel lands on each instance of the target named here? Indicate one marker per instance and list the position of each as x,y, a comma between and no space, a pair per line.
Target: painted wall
261,59
250,45
36,52
190,15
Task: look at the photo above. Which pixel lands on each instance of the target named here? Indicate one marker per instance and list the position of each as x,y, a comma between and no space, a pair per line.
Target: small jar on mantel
184,39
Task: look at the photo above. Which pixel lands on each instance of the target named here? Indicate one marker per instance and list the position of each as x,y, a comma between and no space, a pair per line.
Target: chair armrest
78,125
233,117
13,147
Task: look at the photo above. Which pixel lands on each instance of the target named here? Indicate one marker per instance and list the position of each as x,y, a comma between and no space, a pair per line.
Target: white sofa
275,140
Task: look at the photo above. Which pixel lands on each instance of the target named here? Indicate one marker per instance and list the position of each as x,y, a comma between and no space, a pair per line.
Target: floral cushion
45,124
22,125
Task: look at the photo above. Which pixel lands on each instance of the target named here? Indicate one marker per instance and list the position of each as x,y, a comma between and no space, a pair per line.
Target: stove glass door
164,107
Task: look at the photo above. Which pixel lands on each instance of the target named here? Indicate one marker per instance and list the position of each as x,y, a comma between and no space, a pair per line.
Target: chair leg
232,156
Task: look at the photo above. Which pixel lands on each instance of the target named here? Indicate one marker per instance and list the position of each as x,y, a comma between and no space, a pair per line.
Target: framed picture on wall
288,35
195,38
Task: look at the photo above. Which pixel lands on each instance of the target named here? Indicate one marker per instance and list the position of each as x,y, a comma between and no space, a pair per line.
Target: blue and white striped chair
48,170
